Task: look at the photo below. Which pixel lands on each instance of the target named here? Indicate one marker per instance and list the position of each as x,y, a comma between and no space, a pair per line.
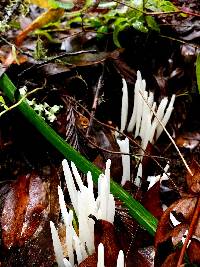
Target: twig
121,153
66,54
150,13
168,134
16,47
193,223
95,102
159,13
178,40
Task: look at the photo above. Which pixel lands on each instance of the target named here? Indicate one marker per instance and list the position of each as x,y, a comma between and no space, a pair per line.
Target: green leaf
152,24
139,25
198,71
160,5
136,210
58,4
119,25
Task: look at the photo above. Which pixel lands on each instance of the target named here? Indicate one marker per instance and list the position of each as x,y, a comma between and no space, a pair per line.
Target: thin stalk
136,210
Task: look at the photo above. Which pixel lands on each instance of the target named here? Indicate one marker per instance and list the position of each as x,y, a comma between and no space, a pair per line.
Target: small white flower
23,91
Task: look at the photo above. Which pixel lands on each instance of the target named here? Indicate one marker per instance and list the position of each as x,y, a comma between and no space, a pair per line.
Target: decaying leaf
23,210
46,17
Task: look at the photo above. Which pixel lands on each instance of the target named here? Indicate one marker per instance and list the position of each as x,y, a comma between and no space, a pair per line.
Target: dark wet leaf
90,58
152,201
54,68
165,228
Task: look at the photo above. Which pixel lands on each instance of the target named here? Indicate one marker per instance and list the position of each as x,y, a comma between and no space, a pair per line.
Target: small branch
66,54
185,11
179,41
95,102
168,134
193,223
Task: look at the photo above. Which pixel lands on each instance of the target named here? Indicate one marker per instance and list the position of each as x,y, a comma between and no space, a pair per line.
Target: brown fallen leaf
152,201
46,17
104,232
23,209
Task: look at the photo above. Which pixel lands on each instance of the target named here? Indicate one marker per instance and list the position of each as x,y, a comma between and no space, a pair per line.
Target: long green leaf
136,210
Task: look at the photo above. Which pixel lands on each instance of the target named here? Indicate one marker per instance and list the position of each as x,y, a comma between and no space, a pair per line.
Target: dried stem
95,102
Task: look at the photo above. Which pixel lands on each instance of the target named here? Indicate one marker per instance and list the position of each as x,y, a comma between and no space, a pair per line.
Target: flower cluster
44,110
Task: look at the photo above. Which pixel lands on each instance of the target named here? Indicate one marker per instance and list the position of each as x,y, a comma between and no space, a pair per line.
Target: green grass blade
136,210
198,71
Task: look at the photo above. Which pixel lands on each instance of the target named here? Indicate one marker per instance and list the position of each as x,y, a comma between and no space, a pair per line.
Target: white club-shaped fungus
146,124
84,204
124,148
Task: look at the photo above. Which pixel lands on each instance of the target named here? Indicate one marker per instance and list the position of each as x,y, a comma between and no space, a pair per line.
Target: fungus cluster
84,204
147,121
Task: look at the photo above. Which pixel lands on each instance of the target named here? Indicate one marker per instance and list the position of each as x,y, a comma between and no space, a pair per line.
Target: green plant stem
136,210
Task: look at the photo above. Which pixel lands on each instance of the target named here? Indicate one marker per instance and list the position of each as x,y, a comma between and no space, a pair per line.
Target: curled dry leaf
185,208
23,210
